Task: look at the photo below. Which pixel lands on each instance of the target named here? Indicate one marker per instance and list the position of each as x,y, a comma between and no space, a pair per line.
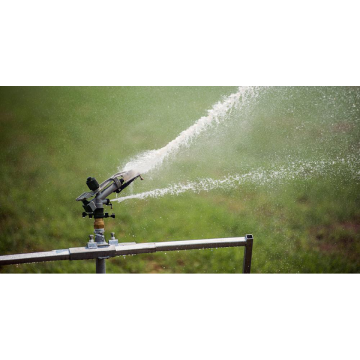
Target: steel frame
120,249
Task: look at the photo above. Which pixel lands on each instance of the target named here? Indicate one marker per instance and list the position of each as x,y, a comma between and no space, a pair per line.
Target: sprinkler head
94,200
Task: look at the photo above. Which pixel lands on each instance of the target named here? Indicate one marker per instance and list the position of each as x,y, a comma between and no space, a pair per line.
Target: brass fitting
99,224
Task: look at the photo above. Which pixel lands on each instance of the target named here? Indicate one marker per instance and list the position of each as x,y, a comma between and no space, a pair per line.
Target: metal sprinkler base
101,252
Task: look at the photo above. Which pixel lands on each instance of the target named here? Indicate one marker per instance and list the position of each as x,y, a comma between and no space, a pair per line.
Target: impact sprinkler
94,208
93,204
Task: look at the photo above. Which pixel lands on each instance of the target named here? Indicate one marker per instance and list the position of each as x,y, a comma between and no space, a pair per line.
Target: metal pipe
199,244
100,266
83,253
35,257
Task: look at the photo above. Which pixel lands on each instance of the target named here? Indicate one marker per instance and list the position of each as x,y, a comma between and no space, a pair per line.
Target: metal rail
104,252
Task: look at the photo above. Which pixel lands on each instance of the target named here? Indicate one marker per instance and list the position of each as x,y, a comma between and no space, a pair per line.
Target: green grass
54,138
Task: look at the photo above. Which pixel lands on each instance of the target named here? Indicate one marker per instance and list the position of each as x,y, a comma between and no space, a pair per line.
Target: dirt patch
6,117
341,238
344,127
152,267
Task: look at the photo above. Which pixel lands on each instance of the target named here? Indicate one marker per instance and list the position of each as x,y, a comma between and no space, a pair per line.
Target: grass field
54,138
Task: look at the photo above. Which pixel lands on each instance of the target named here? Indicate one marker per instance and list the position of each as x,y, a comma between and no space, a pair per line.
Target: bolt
112,235
91,238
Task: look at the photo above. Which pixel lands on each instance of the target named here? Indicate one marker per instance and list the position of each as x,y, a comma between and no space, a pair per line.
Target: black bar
248,254
100,266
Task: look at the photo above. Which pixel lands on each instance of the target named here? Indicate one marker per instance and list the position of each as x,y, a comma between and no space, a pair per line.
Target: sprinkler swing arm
97,248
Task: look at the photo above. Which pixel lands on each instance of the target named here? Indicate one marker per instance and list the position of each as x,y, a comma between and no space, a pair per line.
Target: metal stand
100,266
102,251
248,254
